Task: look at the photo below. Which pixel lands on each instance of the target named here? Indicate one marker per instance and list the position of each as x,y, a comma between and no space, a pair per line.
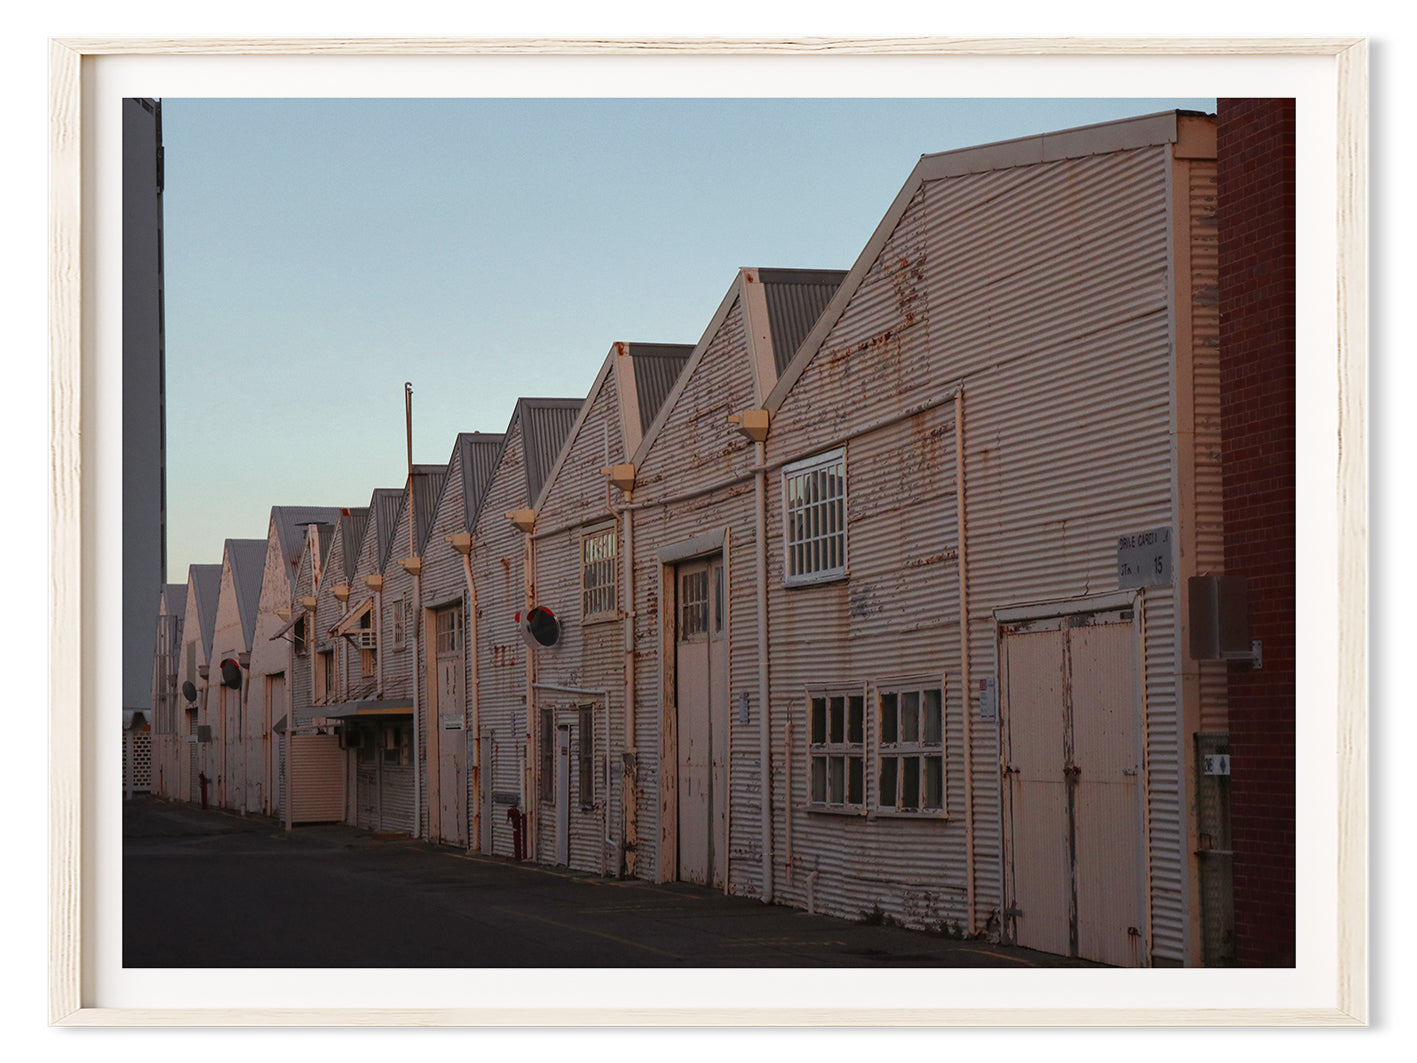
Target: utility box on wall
1220,618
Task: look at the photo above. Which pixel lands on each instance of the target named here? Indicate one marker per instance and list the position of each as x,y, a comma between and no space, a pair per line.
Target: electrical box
1220,618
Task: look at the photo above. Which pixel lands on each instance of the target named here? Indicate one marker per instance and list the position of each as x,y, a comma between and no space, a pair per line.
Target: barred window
814,518
911,749
399,624
694,604
836,750
598,573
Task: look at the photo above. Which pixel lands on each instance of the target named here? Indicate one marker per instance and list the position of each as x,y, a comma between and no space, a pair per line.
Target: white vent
365,639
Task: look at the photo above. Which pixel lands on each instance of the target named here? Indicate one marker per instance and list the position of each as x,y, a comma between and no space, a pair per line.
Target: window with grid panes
598,573
836,750
448,629
694,605
814,518
399,625
910,749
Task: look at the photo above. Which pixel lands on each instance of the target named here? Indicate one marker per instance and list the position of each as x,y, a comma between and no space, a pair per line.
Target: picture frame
72,382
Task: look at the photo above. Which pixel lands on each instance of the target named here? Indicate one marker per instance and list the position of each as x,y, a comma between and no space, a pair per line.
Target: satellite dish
189,691
541,627
230,674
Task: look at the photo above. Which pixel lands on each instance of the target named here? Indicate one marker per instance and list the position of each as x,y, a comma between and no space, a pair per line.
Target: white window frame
452,639
600,602
905,747
399,623
802,563
827,747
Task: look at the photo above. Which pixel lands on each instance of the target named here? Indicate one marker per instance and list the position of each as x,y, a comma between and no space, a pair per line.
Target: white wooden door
1073,767
452,751
701,699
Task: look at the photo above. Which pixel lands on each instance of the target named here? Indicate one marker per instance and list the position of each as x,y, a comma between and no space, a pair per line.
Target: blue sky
321,252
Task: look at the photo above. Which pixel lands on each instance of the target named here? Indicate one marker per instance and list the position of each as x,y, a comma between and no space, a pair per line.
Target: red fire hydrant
518,822
202,781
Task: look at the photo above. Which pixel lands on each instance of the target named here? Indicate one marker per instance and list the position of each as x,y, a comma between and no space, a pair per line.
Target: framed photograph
879,751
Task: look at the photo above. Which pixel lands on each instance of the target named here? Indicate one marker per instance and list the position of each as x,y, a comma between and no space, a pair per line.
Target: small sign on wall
1217,764
989,699
1144,559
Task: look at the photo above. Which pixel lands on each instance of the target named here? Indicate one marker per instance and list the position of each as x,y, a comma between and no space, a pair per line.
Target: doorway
1074,799
701,705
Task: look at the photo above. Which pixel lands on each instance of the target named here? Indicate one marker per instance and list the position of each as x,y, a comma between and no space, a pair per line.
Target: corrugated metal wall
697,447
590,656
317,779
1045,290
498,564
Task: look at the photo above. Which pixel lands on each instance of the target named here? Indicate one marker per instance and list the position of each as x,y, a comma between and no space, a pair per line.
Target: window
297,636
399,623
814,519
547,785
365,745
836,750
585,737
448,629
396,744
325,686
598,573
694,604
911,749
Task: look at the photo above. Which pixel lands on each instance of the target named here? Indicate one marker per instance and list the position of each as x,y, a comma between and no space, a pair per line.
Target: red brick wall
1255,150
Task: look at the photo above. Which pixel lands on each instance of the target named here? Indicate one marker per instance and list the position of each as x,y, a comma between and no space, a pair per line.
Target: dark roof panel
206,583
657,367
545,425
247,558
795,300
477,455
353,521
427,486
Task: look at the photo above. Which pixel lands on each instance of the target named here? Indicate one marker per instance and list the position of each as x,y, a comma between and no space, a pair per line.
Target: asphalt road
213,889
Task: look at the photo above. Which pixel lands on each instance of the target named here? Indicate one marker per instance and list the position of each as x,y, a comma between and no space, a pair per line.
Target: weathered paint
1038,276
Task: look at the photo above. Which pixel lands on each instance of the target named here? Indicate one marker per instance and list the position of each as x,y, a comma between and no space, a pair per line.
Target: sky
321,252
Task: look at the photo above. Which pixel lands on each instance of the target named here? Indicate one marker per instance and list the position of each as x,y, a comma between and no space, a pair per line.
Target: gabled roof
425,485
174,599
384,506
1164,127
778,306
546,424
476,454
247,561
352,522
644,375
657,366
290,524
205,581
795,300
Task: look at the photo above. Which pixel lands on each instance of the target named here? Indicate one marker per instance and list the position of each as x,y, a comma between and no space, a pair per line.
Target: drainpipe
417,569
754,425
629,829
964,661
525,520
462,543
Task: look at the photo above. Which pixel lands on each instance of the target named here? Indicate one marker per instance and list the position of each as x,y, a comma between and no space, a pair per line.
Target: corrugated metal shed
657,367
290,524
545,425
352,523
427,486
205,581
174,596
478,453
384,505
795,300
247,558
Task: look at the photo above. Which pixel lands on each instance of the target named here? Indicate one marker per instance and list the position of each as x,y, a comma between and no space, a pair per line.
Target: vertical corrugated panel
590,655
1205,390
498,560
317,779
477,452
545,425
697,447
795,300
268,657
1045,289
396,799
657,368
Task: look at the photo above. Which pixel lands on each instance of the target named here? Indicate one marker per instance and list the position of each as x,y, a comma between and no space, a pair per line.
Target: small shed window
397,742
297,636
598,573
399,622
911,749
836,750
448,629
814,518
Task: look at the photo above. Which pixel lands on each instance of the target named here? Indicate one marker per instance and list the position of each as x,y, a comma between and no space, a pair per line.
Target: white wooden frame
70,580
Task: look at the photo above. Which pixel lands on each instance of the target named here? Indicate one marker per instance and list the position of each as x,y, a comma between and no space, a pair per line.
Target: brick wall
1256,225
